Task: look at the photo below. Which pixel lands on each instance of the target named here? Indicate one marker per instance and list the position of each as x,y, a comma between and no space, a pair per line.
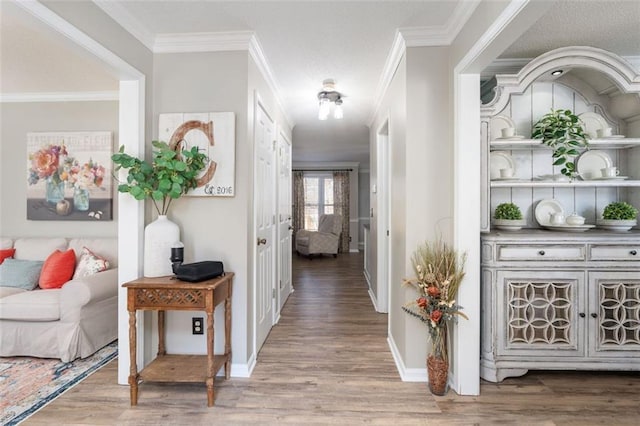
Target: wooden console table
168,293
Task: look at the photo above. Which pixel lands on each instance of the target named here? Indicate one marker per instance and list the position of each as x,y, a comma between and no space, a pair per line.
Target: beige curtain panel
298,202
341,205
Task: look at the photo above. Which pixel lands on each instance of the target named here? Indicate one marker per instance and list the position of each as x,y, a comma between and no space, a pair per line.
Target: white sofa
66,323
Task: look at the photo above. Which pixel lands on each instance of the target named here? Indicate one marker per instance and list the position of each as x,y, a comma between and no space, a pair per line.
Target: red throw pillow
5,253
57,269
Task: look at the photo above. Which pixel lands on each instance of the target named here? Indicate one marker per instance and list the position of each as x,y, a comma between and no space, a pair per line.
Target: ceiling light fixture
328,96
556,72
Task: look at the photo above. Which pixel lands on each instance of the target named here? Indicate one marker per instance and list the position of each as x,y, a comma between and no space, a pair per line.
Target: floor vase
438,362
159,236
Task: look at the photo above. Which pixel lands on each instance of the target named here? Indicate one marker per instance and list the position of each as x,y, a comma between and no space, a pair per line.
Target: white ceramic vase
159,236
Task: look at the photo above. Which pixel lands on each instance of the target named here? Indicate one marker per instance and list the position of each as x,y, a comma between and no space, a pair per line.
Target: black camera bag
199,271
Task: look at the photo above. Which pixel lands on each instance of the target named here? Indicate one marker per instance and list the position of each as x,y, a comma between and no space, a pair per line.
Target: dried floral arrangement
439,270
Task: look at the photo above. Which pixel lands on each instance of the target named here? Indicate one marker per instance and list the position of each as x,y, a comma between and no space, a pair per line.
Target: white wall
212,228
393,109
18,119
364,195
216,228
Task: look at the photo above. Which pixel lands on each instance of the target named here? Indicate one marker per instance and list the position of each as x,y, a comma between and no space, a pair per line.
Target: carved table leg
210,372
227,333
133,367
161,346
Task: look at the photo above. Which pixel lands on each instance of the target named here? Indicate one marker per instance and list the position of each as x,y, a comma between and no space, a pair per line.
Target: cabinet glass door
541,313
614,313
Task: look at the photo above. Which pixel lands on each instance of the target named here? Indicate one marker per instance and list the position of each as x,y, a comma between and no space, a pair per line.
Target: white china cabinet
561,297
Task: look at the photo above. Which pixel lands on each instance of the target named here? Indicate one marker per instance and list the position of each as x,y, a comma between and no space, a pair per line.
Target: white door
284,223
384,219
265,223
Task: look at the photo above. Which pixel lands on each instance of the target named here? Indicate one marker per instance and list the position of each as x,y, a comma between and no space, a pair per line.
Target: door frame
383,202
131,131
258,103
281,138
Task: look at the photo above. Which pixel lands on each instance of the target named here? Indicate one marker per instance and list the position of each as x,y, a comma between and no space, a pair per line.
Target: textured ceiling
304,43
612,25
37,59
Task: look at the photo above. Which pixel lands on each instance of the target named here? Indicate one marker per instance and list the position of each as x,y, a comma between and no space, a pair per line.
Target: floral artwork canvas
69,176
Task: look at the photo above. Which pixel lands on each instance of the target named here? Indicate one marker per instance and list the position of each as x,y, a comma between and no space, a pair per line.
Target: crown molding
420,37
59,96
126,20
203,42
504,66
513,65
257,54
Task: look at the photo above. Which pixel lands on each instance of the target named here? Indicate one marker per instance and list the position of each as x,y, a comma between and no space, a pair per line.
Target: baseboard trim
406,374
373,299
242,370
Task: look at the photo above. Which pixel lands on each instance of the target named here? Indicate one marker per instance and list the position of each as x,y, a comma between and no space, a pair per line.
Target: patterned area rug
28,384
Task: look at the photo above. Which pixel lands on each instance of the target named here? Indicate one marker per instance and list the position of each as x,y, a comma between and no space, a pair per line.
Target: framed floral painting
69,176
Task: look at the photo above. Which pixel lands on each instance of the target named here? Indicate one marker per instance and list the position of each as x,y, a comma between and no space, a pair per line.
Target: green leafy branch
170,175
562,130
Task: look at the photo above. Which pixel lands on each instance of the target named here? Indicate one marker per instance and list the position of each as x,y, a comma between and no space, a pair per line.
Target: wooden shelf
576,184
498,145
181,368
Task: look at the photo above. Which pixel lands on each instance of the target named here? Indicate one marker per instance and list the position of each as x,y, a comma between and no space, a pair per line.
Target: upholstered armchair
325,240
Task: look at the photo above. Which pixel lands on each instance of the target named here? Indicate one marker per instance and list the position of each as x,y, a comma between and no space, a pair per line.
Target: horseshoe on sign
177,141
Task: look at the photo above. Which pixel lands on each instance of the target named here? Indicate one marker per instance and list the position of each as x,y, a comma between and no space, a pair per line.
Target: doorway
383,160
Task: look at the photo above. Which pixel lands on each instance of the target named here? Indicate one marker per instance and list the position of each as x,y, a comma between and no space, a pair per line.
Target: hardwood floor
327,362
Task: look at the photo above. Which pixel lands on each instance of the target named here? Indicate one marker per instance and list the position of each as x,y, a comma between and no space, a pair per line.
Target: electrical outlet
197,325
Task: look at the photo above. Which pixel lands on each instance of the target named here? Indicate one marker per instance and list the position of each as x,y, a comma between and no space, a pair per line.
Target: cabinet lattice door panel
615,311
540,311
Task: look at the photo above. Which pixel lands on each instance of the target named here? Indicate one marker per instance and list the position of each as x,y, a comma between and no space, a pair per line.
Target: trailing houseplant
170,174
439,271
563,131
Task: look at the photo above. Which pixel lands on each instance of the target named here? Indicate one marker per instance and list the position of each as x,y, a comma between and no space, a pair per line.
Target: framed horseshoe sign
214,134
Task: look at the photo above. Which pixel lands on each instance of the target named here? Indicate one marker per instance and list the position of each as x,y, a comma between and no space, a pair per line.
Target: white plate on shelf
604,138
543,211
569,228
512,138
616,225
509,225
589,164
612,178
500,160
592,122
497,123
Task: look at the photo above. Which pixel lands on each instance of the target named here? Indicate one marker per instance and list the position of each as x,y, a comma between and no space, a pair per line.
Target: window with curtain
318,199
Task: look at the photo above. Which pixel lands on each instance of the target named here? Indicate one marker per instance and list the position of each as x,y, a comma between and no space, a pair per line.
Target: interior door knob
582,315
633,252
541,252
594,315
262,241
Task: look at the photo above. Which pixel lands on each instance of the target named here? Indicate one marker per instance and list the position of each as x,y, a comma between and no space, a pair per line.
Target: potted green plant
618,216
563,131
167,177
508,217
